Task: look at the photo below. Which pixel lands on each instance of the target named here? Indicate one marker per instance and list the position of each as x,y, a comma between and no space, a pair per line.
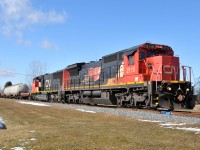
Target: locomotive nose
163,68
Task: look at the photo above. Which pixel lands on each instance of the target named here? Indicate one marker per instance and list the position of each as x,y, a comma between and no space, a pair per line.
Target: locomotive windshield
156,53
157,50
152,53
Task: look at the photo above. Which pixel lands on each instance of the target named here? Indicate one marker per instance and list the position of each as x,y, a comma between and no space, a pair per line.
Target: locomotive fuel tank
15,89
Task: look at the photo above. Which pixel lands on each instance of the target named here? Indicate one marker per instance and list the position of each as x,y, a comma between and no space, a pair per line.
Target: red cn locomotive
146,75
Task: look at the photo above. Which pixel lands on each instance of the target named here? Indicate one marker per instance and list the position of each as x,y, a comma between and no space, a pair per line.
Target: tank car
147,75
15,90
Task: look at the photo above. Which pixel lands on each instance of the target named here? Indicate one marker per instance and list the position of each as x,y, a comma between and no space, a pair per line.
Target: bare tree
35,68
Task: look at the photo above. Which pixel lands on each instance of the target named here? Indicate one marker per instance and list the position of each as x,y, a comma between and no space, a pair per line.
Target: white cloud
48,45
20,39
18,15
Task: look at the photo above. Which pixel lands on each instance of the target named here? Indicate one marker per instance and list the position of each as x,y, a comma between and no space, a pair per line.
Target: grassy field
51,128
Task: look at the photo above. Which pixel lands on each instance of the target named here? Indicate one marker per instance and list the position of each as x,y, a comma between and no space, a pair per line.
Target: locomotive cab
38,84
150,63
154,59
35,85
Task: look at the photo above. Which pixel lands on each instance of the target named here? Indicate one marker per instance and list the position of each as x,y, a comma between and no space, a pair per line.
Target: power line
15,73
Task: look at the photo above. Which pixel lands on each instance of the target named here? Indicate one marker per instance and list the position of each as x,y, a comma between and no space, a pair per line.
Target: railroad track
188,114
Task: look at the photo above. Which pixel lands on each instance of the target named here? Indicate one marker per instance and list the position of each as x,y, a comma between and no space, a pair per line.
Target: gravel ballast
133,114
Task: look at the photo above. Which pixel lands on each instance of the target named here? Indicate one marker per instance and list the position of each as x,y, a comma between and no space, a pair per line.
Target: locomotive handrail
157,77
185,72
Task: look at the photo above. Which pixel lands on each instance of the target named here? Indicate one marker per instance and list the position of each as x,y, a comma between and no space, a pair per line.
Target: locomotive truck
147,75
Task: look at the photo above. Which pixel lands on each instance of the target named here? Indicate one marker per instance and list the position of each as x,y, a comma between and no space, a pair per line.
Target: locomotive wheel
171,104
166,104
119,103
29,98
51,98
190,104
62,98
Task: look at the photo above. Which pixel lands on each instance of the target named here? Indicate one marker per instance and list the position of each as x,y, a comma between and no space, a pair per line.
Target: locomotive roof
131,50
127,51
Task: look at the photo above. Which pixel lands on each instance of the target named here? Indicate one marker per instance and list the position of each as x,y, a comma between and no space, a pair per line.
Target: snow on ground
24,142
170,125
86,111
174,126
149,120
33,139
33,103
17,148
196,130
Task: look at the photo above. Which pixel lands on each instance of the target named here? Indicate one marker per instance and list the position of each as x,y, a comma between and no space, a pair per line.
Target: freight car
16,91
146,75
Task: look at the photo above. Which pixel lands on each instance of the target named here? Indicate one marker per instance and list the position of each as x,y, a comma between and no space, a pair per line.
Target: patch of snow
33,103
189,129
172,124
168,127
86,111
149,120
17,148
80,110
33,139
91,112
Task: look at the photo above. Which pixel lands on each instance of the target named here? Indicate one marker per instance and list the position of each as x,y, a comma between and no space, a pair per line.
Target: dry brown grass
63,129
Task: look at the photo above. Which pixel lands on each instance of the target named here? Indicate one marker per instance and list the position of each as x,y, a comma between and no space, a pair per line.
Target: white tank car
15,89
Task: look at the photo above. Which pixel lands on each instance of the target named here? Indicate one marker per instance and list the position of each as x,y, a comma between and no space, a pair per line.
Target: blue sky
62,32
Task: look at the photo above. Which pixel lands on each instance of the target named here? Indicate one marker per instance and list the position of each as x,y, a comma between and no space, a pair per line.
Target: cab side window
130,60
142,55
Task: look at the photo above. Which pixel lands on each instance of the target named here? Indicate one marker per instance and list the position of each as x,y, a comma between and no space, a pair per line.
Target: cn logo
170,69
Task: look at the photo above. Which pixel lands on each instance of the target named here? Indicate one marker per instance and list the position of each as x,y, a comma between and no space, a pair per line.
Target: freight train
147,75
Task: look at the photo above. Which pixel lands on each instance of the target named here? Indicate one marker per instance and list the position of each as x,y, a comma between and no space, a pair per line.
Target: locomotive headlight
169,88
187,89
